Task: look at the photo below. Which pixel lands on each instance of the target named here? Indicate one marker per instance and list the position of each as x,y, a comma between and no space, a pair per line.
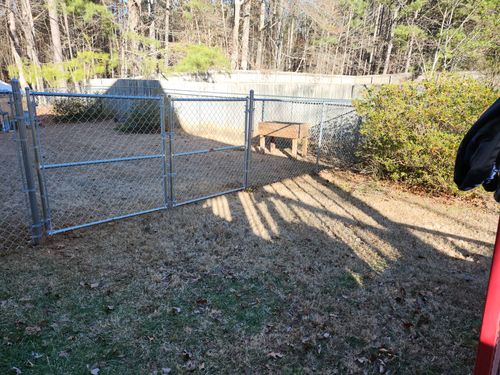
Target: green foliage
144,118
88,64
410,133
200,58
85,65
79,109
87,10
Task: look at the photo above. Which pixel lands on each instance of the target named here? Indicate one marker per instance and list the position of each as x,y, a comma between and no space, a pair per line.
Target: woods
52,43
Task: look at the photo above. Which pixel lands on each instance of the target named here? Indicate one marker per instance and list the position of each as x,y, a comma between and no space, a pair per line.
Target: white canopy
5,87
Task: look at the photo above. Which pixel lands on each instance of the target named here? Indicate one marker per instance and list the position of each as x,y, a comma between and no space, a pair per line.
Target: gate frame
26,165
41,166
246,146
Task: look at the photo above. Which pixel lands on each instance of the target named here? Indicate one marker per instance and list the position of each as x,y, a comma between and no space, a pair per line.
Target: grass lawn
328,274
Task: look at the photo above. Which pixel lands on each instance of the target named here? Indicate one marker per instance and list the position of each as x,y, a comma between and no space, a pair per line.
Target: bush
78,109
144,117
411,132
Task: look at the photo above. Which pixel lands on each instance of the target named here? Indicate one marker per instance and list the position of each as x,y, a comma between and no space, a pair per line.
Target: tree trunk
15,46
346,40
236,34
410,47
279,37
29,32
223,16
167,31
260,44
66,29
291,42
133,24
374,39
246,34
55,34
390,42
438,46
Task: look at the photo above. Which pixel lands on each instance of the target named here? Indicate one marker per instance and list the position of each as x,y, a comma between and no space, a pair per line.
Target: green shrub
411,132
144,117
75,109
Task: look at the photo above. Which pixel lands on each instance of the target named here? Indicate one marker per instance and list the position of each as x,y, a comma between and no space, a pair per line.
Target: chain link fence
15,226
103,155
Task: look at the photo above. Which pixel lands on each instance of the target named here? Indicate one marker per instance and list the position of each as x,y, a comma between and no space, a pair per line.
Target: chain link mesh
328,138
104,156
209,147
101,156
14,220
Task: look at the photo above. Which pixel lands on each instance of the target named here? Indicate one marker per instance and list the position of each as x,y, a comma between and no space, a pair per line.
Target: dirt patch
323,273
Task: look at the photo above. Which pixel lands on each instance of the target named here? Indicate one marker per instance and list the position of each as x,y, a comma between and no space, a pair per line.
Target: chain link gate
94,158
210,146
99,158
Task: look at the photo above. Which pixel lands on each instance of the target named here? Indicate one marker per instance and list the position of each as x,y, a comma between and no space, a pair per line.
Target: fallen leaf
202,366
94,285
32,330
275,355
110,308
323,336
95,371
176,310
190,366
36,355
16,370
63,354
166,370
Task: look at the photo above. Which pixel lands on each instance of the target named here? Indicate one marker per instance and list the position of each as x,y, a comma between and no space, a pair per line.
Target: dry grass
326,273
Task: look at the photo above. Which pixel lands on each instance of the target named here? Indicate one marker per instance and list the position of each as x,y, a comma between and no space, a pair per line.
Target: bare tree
167,31
15,45
245,39
236,35
56,39
260,43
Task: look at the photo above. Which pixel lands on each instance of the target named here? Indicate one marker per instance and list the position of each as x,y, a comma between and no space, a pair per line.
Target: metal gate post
164,152
245,155
170,109
38,160
248,145
26,161
320,139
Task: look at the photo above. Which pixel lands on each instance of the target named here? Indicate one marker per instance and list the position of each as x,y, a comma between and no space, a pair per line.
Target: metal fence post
163,136
250,118
320,138
170,109
38,160
245,155
26,161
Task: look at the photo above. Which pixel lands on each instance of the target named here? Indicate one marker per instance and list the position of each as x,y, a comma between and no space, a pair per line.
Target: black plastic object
478,157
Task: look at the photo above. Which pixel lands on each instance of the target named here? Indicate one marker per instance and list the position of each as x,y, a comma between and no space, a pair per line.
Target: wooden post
262,143
295,142
305,144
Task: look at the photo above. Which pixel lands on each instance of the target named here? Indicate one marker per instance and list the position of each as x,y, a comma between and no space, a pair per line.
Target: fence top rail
221,94
204,99
101,96
331,102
